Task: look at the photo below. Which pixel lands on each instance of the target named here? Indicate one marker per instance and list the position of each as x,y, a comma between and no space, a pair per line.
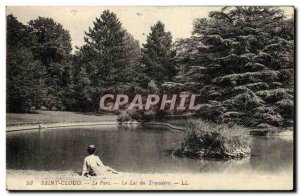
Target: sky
136,20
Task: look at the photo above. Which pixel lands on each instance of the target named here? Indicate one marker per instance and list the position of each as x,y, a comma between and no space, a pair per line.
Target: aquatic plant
214,141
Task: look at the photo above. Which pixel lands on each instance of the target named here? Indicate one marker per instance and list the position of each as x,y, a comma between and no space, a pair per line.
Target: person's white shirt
93,162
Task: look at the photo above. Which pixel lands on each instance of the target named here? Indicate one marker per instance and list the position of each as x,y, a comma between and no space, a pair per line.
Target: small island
214,141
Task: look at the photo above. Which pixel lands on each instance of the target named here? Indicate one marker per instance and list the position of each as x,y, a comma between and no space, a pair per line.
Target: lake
137,150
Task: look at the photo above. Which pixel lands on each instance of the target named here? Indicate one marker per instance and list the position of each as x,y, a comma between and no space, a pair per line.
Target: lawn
45,117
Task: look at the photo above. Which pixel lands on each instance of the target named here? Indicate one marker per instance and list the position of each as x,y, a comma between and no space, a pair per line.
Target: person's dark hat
91,147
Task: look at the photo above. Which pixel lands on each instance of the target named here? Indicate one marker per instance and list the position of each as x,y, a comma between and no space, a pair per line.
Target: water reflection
141,150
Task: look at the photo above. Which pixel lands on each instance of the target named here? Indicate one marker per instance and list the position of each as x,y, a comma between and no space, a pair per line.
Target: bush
135,114
214,141
139,115
124,116
148,115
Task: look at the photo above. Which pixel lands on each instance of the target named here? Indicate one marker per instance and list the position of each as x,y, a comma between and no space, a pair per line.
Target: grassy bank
44,117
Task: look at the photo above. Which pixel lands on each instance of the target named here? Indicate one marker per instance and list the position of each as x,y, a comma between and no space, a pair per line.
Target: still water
138,150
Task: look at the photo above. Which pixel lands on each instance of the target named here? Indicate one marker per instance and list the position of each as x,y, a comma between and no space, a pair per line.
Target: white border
4,3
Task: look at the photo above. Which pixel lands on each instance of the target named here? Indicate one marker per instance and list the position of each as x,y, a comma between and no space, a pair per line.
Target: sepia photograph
150,98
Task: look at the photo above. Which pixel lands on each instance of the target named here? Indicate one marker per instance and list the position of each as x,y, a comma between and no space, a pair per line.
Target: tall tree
242,61
133,57
109,59
106,49
82,84
25,76
158,54
52,47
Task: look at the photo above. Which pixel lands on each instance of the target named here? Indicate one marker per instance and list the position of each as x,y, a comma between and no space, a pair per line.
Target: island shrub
214,141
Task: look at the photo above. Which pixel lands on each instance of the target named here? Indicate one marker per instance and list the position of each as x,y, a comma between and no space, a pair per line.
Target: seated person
93,166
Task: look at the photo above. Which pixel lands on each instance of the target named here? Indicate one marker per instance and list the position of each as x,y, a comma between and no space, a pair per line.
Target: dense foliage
38,65
242,62
158,55
52,47
109,62
25,75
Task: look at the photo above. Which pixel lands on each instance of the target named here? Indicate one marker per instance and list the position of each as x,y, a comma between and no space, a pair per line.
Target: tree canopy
109,59
25,75
158,54
242,61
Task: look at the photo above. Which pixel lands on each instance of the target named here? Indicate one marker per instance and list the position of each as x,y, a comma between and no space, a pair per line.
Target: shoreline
58,125
288,134
60,119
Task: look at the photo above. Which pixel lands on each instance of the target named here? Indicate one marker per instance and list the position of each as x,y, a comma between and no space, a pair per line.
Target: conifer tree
242,61
158,55
109,60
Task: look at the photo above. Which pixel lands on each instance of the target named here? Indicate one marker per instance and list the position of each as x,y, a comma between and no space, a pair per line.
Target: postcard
163,98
